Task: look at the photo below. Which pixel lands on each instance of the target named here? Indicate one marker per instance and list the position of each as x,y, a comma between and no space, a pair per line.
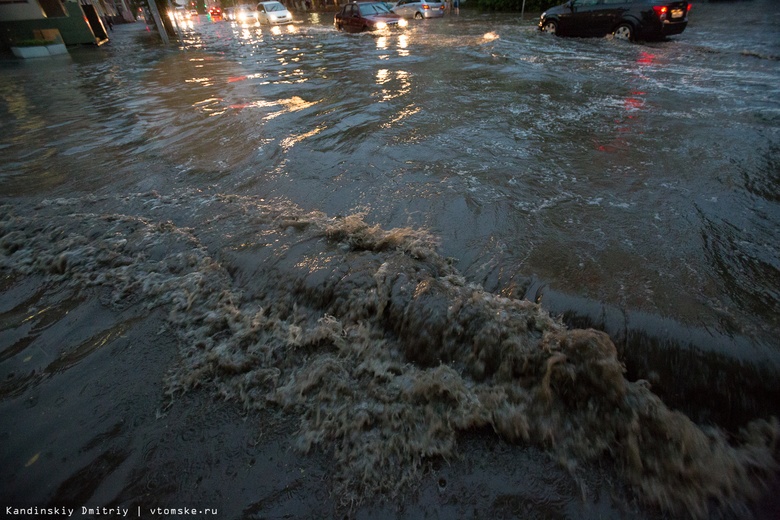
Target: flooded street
279,272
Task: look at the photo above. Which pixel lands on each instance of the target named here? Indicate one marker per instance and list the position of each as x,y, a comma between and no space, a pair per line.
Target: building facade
78,21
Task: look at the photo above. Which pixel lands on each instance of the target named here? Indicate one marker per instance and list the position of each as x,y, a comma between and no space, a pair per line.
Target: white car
241,14
419,9
273,13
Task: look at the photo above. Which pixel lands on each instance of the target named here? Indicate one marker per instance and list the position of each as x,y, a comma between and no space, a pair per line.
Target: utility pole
158,21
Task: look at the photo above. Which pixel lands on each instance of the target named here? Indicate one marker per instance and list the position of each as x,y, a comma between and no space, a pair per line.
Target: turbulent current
391,254
384,350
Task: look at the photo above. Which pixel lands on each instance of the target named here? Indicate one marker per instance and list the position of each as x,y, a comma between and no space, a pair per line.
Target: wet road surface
631,188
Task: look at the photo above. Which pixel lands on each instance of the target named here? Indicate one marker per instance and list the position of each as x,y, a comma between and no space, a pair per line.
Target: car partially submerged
244,14
273,13
625,19
419,9
366,16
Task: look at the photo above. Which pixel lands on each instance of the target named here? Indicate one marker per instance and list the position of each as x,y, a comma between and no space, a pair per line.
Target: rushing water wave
397,241
383,349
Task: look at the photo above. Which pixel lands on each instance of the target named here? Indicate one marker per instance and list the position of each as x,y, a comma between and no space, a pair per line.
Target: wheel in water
624,32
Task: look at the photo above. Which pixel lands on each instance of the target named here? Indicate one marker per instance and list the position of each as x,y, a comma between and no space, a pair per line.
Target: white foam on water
384,351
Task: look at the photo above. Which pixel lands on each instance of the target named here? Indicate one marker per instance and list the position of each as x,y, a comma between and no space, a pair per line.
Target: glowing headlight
402,22
381,25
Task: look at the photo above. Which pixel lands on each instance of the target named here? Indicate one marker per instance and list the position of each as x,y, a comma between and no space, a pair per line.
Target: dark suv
626,19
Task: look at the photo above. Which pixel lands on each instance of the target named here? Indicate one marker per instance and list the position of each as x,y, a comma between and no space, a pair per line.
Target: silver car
273,13
244,14
419,9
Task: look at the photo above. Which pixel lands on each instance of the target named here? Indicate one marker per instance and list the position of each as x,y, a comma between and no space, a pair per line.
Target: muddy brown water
464,270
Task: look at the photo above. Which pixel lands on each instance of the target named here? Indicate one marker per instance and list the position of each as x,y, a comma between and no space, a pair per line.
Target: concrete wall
73,28
11,10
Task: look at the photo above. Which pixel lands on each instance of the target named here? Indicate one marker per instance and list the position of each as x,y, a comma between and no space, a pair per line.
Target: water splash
384,351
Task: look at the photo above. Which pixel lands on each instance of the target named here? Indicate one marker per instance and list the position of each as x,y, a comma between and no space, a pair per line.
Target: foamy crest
377,343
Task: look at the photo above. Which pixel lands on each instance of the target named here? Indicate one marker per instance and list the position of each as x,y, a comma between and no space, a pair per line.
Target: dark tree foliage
531,6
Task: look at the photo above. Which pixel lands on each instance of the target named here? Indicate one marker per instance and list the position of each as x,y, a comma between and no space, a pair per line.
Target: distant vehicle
194,13
181,14
241,14
625,19
215,13
273,13
367,16
419,9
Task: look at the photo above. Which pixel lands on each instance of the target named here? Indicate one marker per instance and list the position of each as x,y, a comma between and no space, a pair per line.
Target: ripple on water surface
597,179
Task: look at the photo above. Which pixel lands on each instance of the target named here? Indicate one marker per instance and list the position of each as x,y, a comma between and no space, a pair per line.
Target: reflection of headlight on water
381,25
402,22
489,37
276,30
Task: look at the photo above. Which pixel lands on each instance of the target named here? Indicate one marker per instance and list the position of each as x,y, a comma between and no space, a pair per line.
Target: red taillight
689,6
426,7
660,10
